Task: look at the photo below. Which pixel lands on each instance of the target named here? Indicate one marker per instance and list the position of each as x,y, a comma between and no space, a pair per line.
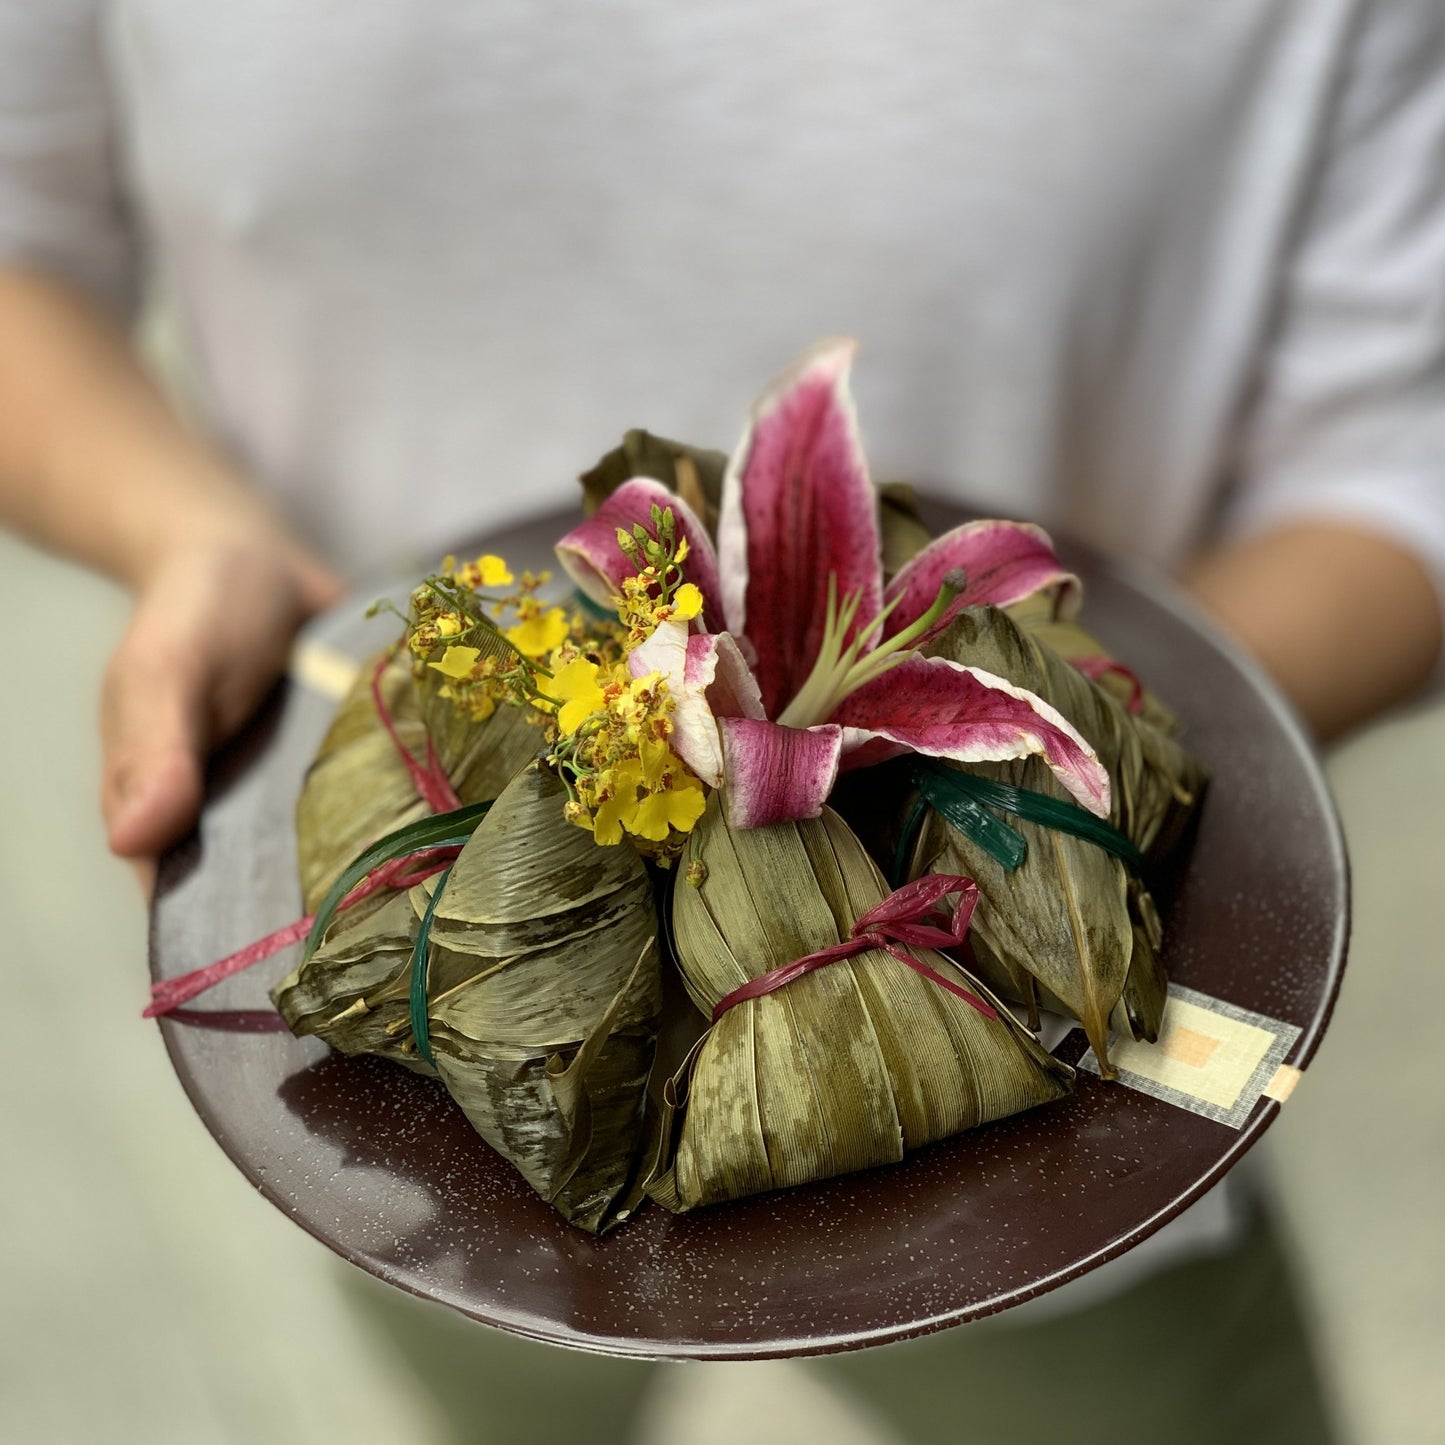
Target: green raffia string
420,1027
963,800
1005,845
910,827
438,830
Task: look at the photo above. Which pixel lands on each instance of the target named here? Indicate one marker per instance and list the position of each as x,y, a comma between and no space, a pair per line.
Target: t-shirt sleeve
62,208
1347,421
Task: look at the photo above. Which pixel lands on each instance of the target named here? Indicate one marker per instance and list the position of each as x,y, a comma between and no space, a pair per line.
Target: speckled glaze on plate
379,1165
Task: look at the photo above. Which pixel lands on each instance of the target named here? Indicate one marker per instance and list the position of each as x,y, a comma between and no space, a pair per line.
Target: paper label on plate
1212,1058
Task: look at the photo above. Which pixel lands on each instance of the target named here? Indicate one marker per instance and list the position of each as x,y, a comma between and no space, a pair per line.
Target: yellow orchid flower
538,632
619,809
656,759
577,687
658,813
687,601
494,571
457,662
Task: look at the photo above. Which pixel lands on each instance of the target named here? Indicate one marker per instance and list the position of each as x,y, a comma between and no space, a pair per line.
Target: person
1166,276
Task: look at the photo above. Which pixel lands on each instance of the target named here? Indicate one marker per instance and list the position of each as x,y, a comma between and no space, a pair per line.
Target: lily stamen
842,668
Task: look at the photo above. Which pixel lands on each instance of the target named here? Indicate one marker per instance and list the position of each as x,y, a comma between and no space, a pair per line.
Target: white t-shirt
1139,268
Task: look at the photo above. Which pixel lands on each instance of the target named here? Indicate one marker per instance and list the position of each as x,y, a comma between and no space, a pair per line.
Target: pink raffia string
170,993
432,786
906,916
1097,667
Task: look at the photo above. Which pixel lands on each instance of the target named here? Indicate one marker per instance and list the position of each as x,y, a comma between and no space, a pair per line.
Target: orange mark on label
1187,1047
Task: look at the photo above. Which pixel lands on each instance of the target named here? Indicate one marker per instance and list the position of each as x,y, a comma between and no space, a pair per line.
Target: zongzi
844,1068
1072,916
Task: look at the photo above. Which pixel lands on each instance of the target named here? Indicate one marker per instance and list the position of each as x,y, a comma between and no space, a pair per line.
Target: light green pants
1211,1352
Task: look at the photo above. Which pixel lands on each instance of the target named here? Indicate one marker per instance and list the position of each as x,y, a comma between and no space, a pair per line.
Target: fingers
211,633
154,744
145,874
319,587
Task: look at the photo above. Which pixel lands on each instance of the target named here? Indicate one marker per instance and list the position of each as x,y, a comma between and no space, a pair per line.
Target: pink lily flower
803,662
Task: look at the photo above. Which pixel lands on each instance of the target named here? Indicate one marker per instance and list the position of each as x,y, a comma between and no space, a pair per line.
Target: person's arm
1347,622
1329,556
94,464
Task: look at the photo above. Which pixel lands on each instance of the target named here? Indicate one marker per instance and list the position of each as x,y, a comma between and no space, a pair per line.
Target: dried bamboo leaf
1035,614
350,977
900,528
544,998
1070,916
352,992
844,1068
695,473
1140,1010
358,789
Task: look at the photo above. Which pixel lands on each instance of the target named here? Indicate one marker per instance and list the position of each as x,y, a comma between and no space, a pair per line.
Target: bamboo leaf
1035,615
358,788
436,830
417,993
352,992
695,473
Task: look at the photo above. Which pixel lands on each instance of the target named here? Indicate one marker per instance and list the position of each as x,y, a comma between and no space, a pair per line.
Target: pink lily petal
688,662
941,708
596,563
777,774
797,508
734,692
1002,561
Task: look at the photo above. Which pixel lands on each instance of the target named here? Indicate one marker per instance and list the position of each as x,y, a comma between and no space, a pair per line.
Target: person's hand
97,465
213,626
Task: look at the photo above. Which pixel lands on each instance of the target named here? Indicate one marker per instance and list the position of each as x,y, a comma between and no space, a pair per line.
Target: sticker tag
1212,1058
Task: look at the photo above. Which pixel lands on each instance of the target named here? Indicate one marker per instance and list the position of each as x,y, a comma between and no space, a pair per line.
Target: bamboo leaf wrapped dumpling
544,995
350,987
1072,917
844,1068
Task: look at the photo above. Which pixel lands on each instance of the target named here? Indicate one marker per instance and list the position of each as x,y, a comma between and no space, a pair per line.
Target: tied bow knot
907,916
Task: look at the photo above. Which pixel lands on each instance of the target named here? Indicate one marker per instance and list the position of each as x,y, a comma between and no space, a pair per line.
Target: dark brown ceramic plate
378,1164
